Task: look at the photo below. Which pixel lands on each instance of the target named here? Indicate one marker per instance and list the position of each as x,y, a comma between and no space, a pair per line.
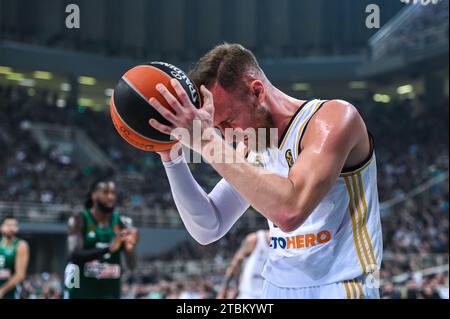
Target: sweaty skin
335,138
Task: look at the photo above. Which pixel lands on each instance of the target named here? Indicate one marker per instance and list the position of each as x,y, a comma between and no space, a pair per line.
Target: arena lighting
5,70
86,80
381,98
27,82
42,75
31,92
66,87
357,85
15,77
301,87
405,89
109,92
61,103
86,102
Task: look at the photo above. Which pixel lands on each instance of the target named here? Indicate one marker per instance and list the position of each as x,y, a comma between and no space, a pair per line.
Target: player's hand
233,294
117,242
222,294
185,115
174,152
131,239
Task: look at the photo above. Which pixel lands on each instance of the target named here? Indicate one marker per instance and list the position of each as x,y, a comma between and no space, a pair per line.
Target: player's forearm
207,217
230,274
192,202
16,279
131,259
273,196
81,256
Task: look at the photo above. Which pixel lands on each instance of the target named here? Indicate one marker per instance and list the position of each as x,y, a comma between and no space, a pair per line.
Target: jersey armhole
360,166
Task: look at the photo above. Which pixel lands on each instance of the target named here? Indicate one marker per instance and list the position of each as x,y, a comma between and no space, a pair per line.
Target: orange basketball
130,108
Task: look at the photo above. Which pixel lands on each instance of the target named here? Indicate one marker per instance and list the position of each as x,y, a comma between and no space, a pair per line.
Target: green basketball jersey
99,279
8,265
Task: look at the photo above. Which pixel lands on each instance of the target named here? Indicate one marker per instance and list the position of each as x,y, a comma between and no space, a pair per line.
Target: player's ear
258,90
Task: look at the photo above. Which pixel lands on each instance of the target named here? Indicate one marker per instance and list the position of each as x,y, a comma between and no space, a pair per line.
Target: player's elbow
205,238
290,218
289,222
205,241
20,276
206,233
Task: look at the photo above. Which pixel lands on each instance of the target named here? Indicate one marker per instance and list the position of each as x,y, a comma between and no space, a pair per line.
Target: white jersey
251,279
341,240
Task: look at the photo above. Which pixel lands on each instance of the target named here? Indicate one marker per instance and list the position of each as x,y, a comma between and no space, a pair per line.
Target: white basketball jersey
251,280
341,239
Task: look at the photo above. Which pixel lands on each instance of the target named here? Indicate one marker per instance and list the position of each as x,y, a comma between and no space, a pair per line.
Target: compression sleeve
207,217
82,256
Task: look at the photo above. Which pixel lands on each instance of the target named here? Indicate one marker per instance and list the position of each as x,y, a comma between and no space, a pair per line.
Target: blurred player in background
14,256
96,238
247,266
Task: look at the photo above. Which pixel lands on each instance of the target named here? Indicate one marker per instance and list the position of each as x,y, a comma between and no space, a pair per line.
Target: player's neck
99,216
7,241
282,107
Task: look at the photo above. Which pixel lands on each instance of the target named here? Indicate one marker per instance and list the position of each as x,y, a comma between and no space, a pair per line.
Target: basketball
130,108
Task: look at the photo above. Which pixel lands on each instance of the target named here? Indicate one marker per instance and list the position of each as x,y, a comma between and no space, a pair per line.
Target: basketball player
14,255
96,238
252,256
317,187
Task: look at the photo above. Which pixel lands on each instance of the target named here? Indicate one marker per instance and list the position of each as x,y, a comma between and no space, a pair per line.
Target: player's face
105,196
9,228
240,113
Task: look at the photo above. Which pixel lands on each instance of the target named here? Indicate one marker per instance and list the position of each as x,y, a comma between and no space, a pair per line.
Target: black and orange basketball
131,110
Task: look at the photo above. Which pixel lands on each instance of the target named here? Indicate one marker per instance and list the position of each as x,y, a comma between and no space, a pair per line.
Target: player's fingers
182,95
171,100
160,127
167,114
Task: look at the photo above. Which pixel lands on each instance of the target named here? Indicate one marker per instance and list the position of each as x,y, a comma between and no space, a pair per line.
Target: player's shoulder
252,237
77,215
22,244
76,220
338,114
338,108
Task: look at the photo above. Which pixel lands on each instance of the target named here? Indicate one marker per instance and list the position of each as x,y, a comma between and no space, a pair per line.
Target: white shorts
246,295
349,289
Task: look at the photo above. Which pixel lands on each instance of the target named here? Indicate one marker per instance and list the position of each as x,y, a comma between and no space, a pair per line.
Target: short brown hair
225,64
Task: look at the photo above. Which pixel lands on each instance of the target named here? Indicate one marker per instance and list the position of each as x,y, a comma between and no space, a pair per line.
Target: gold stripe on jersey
352,284
361,295
369,241
292,124
361,217
354,228
302,128
347,289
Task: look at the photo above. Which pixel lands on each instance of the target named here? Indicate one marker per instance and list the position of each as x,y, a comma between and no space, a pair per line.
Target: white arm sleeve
207,217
